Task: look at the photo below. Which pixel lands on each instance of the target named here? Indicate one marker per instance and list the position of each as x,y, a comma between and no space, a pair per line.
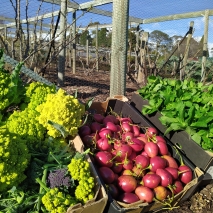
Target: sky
143,9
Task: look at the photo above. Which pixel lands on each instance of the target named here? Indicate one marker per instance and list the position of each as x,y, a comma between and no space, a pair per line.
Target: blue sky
144,9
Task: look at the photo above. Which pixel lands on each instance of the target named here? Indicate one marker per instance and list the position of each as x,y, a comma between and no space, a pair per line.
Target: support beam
62,53
119,47
176,17
74,42
205,46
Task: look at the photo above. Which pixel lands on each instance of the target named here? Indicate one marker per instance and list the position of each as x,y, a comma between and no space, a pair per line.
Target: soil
97,85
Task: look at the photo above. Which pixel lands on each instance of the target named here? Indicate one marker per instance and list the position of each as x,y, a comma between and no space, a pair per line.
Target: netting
30,30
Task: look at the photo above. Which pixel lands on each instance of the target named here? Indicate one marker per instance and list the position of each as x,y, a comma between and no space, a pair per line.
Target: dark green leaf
59,127
199,124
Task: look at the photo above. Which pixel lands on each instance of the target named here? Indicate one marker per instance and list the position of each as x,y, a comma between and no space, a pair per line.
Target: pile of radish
135,163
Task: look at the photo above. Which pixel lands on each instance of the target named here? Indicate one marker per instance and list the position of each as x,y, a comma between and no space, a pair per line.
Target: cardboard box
126,110
99,202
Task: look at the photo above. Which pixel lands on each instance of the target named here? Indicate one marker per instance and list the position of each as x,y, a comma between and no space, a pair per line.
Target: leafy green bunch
184,105
12,89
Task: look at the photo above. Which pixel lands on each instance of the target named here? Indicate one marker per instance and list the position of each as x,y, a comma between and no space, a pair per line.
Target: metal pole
119,47
62,54
87,50
205,48
183,70
74,42
137,48
96,49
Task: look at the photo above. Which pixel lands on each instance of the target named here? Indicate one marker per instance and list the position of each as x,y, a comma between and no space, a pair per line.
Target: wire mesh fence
158,41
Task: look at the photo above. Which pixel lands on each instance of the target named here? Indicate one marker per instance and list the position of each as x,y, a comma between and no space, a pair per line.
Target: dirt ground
97,85
93,85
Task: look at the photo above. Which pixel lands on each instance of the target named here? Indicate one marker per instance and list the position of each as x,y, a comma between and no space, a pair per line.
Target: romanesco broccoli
62,109
25,123
79,170
14,159
55,201
36,93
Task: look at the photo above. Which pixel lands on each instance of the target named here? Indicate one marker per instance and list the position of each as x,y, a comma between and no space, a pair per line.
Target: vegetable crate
120,106
198,156
100,200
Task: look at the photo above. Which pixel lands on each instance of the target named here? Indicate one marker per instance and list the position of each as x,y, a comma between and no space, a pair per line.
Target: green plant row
184,105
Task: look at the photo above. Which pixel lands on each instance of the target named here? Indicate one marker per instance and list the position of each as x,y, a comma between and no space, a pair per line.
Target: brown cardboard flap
100,107
98,203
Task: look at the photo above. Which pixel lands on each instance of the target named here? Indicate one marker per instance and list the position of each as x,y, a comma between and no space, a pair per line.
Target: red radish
142,161
113,190
126,127
118,143
144,193
185,174
151,149
117,167
116,179
127,172
133,155
104,158
91,139
126,120
119,132
95,126
143,138
173,171
163,148
106,174
127,136
177,187
136,130
171,162
127,183
98,117
111,126
136,144
103,144
124,150
127,164
84,130
166,177
160,193
151,132
128,197
138,172
159,138
157,163
105,133
144,153
151,180
111,118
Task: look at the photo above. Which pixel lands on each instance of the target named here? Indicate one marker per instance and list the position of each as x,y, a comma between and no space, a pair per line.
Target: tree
83,37
104,38
161,40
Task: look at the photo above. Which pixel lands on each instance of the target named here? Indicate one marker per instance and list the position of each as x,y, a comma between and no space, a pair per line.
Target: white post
205,47
119,47
62,54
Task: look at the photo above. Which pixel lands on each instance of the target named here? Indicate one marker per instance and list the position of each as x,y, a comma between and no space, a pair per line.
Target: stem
54,157
178,153
42,184
43,187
